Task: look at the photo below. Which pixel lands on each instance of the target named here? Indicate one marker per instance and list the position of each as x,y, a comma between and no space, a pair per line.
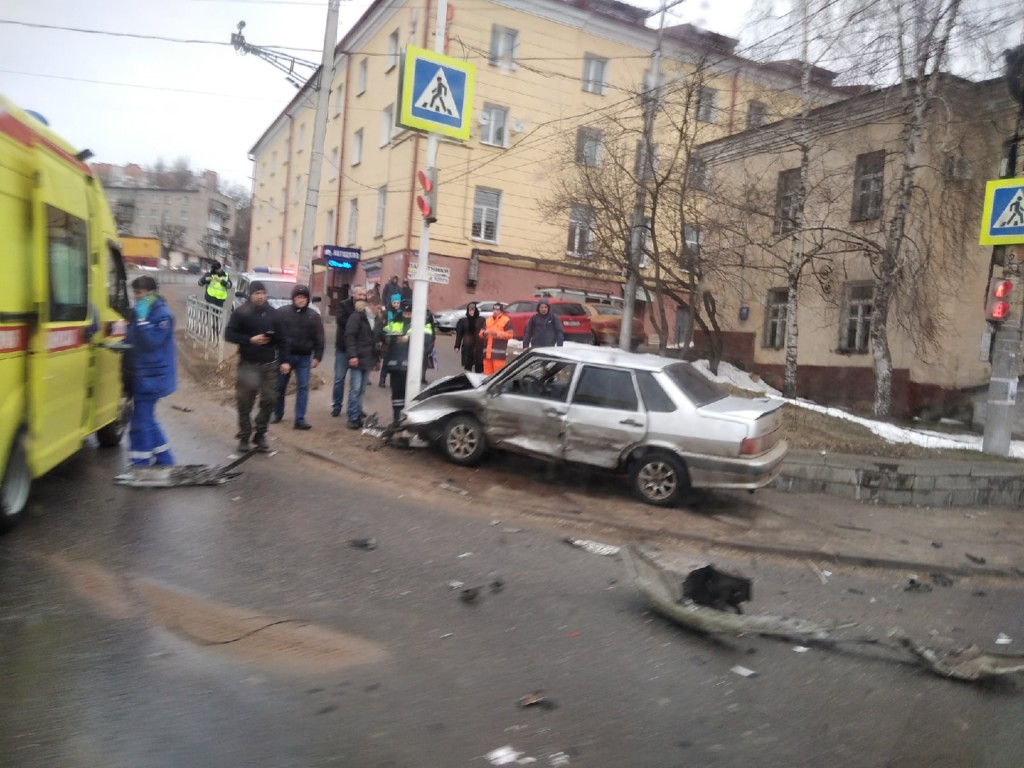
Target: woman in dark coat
467,338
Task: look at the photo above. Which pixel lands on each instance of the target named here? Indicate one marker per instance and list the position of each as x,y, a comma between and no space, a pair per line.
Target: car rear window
697,387
523,306
602,310
574,310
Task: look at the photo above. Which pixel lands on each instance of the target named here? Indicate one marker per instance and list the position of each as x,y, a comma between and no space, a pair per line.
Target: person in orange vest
496,332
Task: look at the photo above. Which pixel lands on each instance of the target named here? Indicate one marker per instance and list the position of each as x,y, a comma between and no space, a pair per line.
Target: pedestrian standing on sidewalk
304,331
262,355
495,335
359,345
216,284
395,339
467,339
151,336
544,329
341,367
391,314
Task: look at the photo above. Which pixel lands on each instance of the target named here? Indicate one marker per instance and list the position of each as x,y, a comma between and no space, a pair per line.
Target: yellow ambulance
63,301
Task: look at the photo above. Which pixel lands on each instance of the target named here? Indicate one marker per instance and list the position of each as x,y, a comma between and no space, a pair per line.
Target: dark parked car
656,419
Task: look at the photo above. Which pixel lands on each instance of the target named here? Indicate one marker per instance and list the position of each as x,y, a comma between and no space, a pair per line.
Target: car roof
266,277
584,353
549,300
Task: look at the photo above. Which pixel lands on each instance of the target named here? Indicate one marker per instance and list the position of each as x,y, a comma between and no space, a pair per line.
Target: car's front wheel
16,482
659,479
463,440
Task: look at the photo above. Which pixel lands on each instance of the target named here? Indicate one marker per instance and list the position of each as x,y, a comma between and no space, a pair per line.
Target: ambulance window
117,282
69,266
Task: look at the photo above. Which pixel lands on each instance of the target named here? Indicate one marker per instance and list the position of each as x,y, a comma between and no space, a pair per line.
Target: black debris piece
370,543
537,699
975,558
940,579
717,589
469,594
913,585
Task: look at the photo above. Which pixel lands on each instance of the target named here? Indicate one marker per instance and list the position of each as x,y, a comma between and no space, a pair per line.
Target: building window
486,208
706,110
387,122
382,201
588,147
642,168
692,240
775,319
353,220
787,201
333,162
867,186
494,125
581,231
329,228
357,147
361,78
858,304
698,175
393,51
595,74
339,91
302,138
504,46
757,114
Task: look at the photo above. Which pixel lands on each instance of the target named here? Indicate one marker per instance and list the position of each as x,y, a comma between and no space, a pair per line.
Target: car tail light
752,446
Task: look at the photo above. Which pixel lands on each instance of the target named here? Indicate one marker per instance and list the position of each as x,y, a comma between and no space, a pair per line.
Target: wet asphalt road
97,673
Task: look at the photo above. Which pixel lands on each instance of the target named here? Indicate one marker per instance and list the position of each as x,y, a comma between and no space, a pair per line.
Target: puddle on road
245,635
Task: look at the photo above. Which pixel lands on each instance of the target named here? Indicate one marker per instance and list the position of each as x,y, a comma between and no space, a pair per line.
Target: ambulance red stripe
13,338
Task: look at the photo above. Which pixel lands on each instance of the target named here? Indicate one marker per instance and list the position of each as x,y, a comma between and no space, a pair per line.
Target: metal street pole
316,156
421,280
652,99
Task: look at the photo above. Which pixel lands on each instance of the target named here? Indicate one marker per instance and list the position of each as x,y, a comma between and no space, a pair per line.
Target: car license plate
571,323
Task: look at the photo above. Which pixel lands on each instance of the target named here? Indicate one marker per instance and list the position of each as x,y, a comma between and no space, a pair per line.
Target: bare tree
171,236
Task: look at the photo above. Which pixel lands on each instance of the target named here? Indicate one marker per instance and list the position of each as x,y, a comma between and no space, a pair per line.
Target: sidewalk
820,528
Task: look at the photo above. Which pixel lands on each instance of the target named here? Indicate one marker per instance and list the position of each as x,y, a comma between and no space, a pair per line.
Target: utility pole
316,156
1006,348
652,100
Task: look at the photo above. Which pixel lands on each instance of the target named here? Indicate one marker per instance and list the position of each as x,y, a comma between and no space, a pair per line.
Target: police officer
394,337
217,284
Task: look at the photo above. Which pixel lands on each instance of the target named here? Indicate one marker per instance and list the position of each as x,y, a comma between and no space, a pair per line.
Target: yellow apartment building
549,75
937,331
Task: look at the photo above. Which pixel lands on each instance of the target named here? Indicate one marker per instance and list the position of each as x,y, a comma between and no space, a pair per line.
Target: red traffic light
426,201
997,308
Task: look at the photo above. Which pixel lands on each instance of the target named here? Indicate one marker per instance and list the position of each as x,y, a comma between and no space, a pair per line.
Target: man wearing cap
262,355
304,331
496,333
217,284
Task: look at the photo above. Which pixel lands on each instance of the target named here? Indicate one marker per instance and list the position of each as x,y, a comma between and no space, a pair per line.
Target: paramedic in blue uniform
151,336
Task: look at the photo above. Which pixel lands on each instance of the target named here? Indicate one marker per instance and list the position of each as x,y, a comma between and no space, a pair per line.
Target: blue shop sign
340,257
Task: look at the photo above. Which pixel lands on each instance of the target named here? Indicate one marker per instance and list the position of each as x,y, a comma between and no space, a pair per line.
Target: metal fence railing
204,326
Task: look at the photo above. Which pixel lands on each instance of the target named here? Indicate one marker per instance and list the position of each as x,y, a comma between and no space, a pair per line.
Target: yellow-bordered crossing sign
1002,219
436,93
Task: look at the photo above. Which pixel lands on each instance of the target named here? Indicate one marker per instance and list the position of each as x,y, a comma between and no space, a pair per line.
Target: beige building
550,75
937,329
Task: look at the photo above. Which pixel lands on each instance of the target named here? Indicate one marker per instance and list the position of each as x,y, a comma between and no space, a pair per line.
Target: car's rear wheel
16,482
659,479
463,440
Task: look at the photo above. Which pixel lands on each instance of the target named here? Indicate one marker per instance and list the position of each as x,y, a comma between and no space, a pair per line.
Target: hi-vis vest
497,346
217,287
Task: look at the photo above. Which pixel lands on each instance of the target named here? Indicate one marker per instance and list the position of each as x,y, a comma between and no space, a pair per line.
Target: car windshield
693,384
278,291
608,310
574,310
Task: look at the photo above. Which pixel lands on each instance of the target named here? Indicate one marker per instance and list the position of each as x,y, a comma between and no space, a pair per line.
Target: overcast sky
134,100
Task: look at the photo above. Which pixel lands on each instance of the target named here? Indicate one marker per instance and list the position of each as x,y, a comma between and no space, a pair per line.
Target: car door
604,417
525,410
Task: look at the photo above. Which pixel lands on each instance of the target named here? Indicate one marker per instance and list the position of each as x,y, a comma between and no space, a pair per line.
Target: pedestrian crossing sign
1002,219
436,93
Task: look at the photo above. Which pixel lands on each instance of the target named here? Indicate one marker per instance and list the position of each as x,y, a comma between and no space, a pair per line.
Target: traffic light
427,199
1000,293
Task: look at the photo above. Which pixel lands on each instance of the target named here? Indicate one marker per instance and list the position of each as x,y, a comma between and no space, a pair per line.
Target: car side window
606,388
542,378
655,398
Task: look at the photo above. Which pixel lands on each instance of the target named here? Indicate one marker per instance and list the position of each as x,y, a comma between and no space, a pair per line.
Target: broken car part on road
179,475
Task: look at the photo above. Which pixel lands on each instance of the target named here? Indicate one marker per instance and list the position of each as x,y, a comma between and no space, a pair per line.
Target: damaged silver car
656,419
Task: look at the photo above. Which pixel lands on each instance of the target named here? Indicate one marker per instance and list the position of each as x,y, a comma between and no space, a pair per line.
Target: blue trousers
355,393
146,442
301,366
340,370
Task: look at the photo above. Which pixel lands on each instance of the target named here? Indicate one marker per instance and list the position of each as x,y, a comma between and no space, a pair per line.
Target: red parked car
575,319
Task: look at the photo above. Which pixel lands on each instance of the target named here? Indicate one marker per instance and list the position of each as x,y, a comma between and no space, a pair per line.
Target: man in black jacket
304,330
262,354
359,356
341,366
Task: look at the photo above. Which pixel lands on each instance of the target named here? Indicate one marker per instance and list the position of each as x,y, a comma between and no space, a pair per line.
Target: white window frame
858,311
580,243
339,92
302,138
504,48
353,220
382,202
357,147
361,77
329,228
332,162
693,239
484,214
707,105
595,74
588,146
387,124
775,312
494,120
394,51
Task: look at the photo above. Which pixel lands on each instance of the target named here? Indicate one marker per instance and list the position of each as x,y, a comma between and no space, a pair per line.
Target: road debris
558,759
716,589
536,699
465,554
593,547
456,585
508,756
497,585
663,587
450,486
822,575
182,408
469,594
742,671
367,544
801,648
179,475
914,585
975,558
1003,639
940,579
